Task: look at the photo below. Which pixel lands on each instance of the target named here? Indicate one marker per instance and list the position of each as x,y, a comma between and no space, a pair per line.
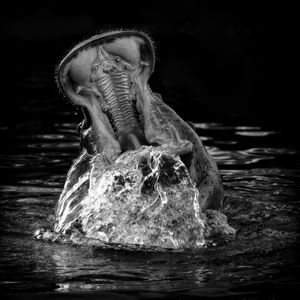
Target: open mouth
124,126
105,75
108,76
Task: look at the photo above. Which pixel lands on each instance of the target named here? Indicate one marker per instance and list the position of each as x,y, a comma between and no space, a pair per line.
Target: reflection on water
260,172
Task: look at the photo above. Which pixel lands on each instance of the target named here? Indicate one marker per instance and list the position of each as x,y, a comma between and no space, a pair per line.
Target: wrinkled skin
108,76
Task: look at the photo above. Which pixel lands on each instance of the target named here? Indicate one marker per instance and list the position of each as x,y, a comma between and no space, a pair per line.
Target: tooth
144,64
78,89
87,89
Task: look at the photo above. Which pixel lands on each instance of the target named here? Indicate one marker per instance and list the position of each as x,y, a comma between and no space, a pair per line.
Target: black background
213,63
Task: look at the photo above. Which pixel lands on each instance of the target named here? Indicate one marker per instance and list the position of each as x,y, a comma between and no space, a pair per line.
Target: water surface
260,171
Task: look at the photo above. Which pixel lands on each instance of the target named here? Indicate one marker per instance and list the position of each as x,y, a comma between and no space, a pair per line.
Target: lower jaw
132,140
99,136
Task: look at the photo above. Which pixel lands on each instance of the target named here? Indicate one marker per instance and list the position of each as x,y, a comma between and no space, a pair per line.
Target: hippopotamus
107,75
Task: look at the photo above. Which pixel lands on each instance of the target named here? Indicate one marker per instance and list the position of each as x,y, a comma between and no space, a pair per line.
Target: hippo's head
106,75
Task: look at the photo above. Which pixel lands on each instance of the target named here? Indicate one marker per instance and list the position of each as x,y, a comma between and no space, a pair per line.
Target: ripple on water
260,179
256,133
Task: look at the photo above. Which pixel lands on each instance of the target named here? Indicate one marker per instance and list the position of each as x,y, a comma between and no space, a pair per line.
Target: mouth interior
98,75
118,124
129,137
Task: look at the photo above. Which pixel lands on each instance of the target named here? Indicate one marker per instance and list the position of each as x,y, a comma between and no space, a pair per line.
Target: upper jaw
84,53
98,80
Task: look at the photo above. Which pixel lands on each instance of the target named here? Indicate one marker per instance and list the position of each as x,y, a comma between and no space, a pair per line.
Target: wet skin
108,76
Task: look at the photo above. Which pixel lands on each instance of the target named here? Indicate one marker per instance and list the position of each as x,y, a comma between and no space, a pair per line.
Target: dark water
260,170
